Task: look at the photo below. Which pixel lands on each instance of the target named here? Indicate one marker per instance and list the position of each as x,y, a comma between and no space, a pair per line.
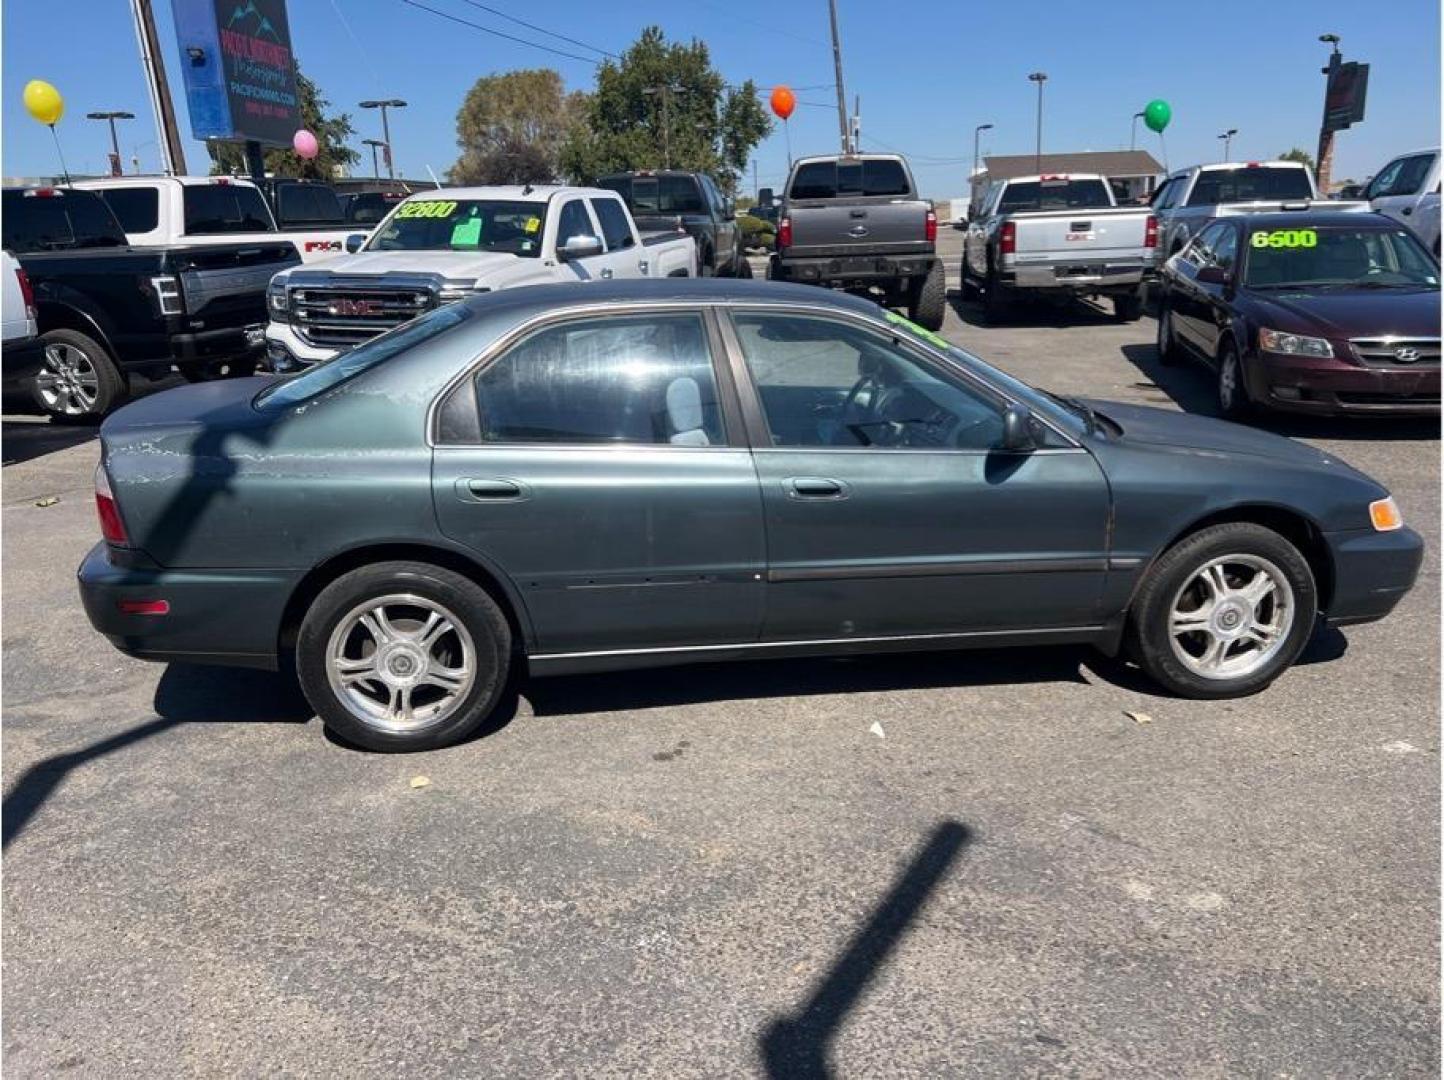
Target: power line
498,33
917,157
540,30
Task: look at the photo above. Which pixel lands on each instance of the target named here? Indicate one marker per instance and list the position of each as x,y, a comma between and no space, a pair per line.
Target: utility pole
756,190
1324,163
389,103
837,68
172,155
112,117
1039,77
1133,131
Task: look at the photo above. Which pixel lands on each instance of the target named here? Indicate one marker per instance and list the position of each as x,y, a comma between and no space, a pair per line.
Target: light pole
972,176
374,143
112,117
1039,77
1227,138
1324,163
389,103
1133,131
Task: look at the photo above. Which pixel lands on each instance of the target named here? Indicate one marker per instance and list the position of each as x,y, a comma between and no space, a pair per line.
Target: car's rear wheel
403,656
1233,399
1225,612
995,303
1128,307
78,382
928,298
1167,344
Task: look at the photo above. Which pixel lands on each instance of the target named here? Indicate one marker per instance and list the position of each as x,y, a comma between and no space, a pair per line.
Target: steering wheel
855,413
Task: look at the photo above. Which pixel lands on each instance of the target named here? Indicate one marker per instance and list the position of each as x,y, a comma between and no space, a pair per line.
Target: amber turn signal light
1385,515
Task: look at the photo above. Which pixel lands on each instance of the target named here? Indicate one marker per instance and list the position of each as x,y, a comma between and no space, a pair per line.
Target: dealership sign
238,70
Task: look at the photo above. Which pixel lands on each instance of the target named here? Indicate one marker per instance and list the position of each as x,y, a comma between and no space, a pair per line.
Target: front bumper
1332,386
1372,573
286,350
862,270
230,616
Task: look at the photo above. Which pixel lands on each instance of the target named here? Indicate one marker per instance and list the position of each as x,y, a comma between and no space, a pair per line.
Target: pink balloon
305,145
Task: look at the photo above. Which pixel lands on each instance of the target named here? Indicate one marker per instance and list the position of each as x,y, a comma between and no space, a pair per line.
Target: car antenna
526,188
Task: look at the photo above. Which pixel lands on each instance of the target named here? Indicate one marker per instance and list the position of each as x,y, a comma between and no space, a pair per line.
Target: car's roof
511,192
1317,219
846,157
185,181
693,290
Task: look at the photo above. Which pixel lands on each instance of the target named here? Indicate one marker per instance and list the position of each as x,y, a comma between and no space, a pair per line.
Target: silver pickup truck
856,222
1059,235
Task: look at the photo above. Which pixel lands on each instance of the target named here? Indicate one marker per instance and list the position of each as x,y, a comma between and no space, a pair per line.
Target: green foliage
756,232
709,127
511,128
331,134
1298,155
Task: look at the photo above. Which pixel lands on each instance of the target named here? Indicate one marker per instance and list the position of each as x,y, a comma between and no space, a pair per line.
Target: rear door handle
490,490
815,487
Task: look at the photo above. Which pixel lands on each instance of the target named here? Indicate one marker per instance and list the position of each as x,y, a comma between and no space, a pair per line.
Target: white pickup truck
181,211
1059,235
440,246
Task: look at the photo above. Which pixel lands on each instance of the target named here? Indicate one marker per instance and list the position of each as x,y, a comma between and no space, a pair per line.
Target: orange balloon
783,102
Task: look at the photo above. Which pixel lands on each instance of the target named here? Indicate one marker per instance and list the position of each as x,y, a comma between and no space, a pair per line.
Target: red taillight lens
1150,232
143,607
26,292
1008,238
784,233
111,525
932,227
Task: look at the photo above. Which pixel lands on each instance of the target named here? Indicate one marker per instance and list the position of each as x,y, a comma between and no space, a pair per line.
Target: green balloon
1157,114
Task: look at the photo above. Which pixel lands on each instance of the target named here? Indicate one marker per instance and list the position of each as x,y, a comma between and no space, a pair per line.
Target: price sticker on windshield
1285,238
927,335
431,208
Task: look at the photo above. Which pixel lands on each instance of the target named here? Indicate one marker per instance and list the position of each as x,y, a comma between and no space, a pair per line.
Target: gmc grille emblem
355,308
1406,355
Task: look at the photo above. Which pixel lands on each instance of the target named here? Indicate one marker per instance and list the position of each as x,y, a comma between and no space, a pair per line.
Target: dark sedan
1322,312
625,474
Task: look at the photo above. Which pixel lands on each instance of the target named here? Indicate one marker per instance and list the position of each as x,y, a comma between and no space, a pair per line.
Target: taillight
1150,232
1008,238
168,294
931,229
26,292
111,526
784,233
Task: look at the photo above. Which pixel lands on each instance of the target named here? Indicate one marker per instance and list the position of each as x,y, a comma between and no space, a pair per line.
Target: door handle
606,272
642,266
815,487
490,490
1408,210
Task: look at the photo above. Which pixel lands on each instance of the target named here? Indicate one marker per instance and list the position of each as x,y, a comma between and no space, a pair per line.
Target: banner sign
238,70
1348,88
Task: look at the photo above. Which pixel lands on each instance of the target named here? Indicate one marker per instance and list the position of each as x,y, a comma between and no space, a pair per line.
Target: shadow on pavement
186,694
1190,384
1033,313
797,1046
25,440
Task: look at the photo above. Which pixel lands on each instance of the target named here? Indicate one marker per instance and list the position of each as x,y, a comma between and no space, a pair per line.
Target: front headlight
1384,515
1276,341
276,298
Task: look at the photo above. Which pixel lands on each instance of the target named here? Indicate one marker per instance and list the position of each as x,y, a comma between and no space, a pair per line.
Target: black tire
929,298
1128,307
1234,402
744,268
78,382
1167,344
1149,622
472,607
967,288
995,304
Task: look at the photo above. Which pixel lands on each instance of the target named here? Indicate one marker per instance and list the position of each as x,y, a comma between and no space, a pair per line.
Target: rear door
726,249
889,509
597,463
624,256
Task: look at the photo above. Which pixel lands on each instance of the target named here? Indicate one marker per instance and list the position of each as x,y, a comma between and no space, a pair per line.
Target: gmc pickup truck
659,199
106,309
1407,190
181,211
439,246
856,222
1059,235
1191,198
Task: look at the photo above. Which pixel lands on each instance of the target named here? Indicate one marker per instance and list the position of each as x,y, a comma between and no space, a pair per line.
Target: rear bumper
1372,573
224,344
860,269
1077,276
1331,386
215,617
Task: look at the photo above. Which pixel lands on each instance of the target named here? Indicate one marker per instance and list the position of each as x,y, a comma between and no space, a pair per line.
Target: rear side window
616,230
224,208
137,208
831,179
68,219
604,381
308,204
1249,185
1055,195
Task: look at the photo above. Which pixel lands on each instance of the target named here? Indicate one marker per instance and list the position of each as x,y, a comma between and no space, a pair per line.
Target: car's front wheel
1224,612
1167,345
403,656
1233,399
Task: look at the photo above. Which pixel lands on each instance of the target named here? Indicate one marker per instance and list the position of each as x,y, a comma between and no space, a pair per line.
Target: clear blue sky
927,73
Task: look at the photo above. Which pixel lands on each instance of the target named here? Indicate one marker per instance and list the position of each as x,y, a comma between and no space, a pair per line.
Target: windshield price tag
431,208
532,224
466,233
927,335
1285,238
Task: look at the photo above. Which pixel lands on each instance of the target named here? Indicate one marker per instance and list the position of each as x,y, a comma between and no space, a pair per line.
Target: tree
664,105
331,135
1298,155
511,128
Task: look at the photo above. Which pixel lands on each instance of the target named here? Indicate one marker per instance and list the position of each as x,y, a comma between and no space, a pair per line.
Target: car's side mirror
580,246
354,242
1018,428
1214,275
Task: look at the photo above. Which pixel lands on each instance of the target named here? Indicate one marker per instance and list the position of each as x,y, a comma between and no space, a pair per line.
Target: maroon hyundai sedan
1310,311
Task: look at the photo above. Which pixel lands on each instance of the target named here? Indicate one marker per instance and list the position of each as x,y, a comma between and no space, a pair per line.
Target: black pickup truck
660,199
106,310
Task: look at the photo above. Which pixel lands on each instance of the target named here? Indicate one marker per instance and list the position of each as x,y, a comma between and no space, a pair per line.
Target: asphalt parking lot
990,863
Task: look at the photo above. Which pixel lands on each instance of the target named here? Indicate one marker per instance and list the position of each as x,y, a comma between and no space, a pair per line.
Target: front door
889,509
590,464
575,220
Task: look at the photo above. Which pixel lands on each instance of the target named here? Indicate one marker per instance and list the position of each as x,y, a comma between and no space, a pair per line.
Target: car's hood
1184,431
1350,313
451,265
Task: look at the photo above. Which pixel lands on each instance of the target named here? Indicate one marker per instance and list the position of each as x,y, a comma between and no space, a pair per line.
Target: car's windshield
1250,184
347,365
1054,194
1337,256
463,225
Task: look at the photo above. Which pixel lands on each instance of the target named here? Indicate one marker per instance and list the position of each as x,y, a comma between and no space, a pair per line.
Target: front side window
573,222
616,229
514,228
825,383
618,380
136,208
1225,247
1413,171
224,208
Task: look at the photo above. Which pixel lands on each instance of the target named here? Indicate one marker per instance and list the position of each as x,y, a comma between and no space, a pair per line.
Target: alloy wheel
67,381
1231,617
1228,382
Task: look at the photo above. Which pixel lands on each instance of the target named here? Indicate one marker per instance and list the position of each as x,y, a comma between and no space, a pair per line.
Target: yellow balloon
43,101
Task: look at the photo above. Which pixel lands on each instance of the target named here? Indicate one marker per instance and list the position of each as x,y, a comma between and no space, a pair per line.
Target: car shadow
26,440
1190,383
1033,314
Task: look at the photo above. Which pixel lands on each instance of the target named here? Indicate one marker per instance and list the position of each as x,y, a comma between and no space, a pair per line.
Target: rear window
658,194
1249,185
833,179
137,208
1055,195
224,208
308,204
67,219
